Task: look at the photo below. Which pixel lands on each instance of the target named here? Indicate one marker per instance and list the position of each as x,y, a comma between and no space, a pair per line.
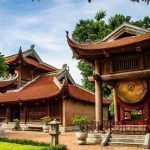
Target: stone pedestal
54,132
95,138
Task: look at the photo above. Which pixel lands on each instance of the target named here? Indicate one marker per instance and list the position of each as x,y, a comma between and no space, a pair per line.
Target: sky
44,22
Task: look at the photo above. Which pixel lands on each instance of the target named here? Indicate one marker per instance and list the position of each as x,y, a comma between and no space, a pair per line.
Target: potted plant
17,124
45,121
82,123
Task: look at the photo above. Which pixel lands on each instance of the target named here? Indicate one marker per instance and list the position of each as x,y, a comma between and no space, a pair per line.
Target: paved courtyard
65,138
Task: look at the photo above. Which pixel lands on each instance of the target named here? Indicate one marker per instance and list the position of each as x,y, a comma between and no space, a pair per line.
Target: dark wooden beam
131,74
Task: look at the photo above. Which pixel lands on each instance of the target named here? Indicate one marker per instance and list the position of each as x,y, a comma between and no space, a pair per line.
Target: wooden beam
123,75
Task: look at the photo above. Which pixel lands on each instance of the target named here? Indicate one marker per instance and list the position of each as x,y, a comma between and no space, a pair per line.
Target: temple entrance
14,112
3,113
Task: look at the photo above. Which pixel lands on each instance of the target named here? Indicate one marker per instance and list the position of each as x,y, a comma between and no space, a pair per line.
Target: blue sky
44,22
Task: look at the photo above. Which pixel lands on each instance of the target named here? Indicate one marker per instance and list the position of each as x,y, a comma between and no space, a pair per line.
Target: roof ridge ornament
67,34
20,49
32,46
65,67
20,53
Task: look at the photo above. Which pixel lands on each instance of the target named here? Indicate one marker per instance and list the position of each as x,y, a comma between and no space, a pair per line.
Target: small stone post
54,132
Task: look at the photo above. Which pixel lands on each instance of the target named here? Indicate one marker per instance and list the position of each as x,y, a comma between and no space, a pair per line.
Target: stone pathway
67,138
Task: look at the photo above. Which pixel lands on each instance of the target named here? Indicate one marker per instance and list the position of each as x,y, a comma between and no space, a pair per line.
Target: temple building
122,60
36,89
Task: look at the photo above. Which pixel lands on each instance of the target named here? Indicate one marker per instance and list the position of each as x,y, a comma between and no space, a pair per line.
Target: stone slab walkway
67,138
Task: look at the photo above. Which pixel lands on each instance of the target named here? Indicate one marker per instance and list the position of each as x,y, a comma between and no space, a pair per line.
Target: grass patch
13,146
24,142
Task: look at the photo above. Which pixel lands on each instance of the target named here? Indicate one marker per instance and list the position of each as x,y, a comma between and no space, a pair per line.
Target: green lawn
13,146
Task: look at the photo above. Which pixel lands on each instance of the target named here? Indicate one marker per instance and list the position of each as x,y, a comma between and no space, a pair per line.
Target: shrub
24,142
57,147
81,122
46,120
17,123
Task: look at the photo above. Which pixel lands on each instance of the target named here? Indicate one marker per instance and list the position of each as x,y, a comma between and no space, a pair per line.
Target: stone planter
81,137
46,128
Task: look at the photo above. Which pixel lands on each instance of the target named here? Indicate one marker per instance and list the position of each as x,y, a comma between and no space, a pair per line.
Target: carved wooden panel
106,66
36,111
125,64
55,109
22,113
147,61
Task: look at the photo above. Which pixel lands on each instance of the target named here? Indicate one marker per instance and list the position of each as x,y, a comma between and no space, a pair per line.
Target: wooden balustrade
134,127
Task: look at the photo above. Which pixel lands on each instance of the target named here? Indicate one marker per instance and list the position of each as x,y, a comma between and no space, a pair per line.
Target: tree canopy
3,66
146,1
91,30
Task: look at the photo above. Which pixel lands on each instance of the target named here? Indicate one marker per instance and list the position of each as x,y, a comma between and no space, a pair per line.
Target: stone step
128,140
7,126
127,144
128,136
95,138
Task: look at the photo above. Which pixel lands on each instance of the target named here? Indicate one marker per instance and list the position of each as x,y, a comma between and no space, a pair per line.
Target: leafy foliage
91,30
3,66
81,122
46,120
117,20
57,147
146,1
87,71
17,123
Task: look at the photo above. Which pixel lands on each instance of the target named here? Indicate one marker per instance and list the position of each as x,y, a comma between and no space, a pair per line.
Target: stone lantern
54,132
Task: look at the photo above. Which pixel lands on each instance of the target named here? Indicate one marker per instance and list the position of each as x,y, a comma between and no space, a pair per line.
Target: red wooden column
48,107
98,94
121,113
146,112
25,113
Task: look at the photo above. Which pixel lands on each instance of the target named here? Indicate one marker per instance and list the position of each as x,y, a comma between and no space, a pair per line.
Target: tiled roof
82,49
8,82
37,64
45,87
31,62
81,94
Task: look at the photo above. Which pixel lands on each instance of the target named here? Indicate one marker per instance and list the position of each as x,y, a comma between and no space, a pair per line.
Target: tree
96,29
3,66
146,1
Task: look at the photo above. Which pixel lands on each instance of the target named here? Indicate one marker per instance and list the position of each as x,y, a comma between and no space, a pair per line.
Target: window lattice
125,64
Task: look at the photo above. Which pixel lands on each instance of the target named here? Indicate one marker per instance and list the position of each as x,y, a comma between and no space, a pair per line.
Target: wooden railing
135,127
